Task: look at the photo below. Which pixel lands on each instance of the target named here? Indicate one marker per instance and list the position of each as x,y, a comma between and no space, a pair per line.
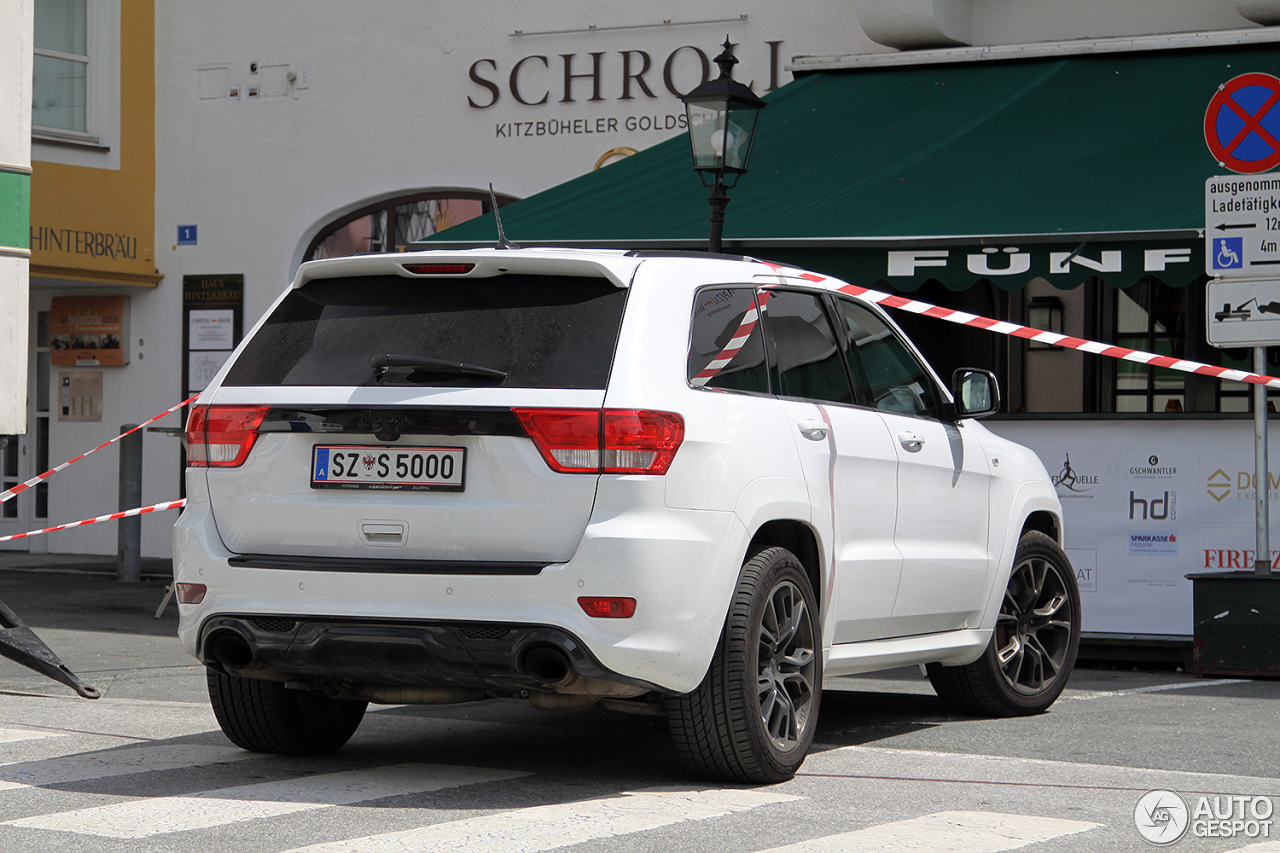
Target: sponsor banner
1146,503
1152,544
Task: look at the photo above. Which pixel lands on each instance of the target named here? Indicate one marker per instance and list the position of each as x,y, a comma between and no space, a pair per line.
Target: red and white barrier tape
19,489
1002,327
115,516
736,343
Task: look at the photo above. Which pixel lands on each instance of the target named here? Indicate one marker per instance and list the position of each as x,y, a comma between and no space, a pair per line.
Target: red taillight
604,441
608,608
569,439
638,442
222,436
439,269
191,593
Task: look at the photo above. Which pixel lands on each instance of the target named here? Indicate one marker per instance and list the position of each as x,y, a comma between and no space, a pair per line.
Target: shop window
1238,396
359,236
405,220
947,346
1150,316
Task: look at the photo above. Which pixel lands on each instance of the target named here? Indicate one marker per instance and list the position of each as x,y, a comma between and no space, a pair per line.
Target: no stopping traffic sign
1242,123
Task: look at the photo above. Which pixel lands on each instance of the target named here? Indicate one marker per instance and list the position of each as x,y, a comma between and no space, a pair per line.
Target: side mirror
976,392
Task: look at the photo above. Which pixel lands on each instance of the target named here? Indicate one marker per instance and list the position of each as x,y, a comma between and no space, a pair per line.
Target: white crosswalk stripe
118,762
541,828
159,815
14,735
944,832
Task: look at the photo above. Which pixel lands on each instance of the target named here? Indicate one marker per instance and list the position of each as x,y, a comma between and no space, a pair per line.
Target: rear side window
541,331
805,350
725,348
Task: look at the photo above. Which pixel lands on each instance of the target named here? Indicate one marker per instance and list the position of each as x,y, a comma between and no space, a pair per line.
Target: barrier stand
20,644
17,641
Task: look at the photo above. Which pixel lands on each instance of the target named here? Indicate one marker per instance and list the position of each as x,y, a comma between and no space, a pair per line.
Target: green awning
1075,156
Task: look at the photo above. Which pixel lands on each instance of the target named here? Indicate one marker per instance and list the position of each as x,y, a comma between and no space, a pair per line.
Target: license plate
388,468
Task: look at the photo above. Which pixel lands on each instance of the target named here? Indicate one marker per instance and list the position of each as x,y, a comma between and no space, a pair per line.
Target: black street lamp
722,116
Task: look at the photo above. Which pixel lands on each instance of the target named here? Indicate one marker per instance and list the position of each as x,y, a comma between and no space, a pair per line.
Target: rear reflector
439,269
191,593
604,441
222,436
608,608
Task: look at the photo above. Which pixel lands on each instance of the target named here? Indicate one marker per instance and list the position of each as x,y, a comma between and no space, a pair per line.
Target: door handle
910,442
813,430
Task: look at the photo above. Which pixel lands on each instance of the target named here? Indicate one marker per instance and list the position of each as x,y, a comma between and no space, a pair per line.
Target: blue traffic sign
1227,253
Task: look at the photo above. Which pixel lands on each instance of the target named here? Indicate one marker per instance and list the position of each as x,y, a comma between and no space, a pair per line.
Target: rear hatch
384,414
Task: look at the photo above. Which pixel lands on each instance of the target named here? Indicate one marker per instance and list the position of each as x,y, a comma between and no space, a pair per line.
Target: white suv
658,482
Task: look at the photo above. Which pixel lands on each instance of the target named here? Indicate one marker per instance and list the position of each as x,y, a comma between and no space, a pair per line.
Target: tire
1033,648
263,716
753,716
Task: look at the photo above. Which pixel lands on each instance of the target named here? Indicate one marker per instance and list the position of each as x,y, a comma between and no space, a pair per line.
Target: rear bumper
488,656
680,566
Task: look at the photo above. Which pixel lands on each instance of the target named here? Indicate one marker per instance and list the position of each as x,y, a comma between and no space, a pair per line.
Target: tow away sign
1244,313
1242,226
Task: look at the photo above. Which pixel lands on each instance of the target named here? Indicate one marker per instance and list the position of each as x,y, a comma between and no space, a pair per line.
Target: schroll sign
625,75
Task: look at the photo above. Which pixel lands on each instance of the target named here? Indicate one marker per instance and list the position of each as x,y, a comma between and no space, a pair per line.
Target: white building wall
390,106
1019,21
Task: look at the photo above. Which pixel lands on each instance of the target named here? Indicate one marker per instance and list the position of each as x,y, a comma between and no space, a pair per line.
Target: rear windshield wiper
424,369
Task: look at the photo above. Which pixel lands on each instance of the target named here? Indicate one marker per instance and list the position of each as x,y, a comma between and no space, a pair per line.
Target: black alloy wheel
1033,648
753,717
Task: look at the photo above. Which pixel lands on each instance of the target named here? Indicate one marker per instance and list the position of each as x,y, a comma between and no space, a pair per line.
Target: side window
725,348
806,351
890,375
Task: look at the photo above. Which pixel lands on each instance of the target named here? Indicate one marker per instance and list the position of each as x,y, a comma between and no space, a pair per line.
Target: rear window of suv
541,331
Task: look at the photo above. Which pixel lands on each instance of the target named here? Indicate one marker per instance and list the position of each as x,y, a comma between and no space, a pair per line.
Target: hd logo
1160,508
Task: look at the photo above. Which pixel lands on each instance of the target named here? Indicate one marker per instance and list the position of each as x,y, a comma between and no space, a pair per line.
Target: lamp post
722,117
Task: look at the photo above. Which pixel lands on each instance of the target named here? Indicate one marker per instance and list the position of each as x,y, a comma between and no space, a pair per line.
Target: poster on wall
89,331
1144,504
212,309
202,366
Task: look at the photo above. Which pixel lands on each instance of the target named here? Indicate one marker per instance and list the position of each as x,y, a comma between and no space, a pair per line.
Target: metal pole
1262,487
718,198
129,532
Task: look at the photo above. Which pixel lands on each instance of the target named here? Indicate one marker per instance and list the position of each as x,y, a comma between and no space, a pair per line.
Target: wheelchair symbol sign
1228,253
